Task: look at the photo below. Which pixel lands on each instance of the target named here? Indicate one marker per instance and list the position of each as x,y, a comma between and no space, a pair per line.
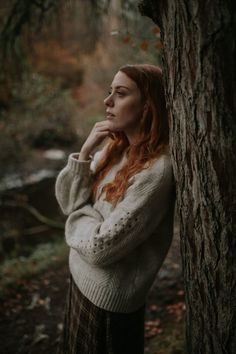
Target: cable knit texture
115,253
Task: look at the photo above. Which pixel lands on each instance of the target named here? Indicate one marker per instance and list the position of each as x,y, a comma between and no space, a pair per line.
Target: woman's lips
110,116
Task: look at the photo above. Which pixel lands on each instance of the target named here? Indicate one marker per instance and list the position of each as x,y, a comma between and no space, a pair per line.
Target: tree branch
34,212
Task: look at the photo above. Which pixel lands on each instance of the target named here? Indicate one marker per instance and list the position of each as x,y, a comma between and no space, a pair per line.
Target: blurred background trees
58,58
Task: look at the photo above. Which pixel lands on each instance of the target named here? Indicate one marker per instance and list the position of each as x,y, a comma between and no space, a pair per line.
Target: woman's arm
73,185
101,242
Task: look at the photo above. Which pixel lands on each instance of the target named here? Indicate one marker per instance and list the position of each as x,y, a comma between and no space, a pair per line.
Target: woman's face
124,105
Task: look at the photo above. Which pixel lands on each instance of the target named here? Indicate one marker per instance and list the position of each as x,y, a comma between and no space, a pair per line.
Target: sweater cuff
78,166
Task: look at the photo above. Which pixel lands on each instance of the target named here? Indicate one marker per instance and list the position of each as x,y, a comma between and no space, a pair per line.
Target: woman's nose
108,101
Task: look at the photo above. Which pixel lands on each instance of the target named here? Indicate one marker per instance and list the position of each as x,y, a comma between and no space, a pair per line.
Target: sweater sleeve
73,185
102,242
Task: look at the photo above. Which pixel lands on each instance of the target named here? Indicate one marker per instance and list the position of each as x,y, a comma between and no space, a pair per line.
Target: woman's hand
99,132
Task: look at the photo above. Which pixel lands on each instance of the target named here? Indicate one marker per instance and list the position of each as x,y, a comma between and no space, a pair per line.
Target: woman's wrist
83,155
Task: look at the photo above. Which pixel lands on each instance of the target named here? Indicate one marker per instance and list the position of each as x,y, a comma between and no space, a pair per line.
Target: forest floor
31,317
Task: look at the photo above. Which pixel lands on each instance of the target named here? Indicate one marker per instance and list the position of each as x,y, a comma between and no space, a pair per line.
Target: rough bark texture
199,70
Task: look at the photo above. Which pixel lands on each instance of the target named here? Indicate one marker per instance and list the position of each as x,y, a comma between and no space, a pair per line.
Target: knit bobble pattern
106,240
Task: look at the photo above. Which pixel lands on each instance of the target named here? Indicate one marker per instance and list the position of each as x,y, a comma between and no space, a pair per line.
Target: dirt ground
32,317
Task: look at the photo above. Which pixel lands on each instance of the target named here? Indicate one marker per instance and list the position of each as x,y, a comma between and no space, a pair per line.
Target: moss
45,255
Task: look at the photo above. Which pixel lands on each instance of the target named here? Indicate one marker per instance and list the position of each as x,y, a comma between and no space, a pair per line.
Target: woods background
58,59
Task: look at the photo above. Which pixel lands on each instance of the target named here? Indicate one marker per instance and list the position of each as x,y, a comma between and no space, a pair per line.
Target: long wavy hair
153,139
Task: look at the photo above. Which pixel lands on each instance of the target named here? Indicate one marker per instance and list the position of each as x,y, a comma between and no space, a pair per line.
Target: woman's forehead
122,80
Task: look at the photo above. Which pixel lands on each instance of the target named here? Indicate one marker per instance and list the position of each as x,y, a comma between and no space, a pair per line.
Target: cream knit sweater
115,253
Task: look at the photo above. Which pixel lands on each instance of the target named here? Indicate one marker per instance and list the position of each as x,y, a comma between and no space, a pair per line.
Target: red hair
153,140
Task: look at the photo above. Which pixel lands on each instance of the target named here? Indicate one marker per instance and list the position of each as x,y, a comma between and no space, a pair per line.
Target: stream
30,186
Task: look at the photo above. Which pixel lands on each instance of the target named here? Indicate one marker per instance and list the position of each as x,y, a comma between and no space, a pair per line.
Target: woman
120,207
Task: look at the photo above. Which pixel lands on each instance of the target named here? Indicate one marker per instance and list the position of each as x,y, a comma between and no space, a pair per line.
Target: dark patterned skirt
89,329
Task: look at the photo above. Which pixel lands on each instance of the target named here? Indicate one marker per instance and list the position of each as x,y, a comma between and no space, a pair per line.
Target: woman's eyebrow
121,86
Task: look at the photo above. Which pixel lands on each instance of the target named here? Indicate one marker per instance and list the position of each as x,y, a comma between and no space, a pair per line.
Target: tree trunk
199,70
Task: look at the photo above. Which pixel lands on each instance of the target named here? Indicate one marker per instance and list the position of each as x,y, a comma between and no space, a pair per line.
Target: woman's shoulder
160,165
164,162
160,169
162,172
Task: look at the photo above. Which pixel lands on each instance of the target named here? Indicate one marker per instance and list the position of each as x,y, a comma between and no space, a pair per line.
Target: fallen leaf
34,301
39,335
153,308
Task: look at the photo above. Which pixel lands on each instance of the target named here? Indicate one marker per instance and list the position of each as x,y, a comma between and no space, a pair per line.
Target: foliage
57,46
20,16
38,106
19,13
45,255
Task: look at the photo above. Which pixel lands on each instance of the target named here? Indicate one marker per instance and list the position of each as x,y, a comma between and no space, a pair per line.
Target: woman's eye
118,93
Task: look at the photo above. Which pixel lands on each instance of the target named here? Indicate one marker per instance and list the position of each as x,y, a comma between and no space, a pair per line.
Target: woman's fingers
103,125
99,132
102,133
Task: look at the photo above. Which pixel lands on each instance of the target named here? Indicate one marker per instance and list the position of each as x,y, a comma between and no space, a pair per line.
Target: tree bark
199,70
